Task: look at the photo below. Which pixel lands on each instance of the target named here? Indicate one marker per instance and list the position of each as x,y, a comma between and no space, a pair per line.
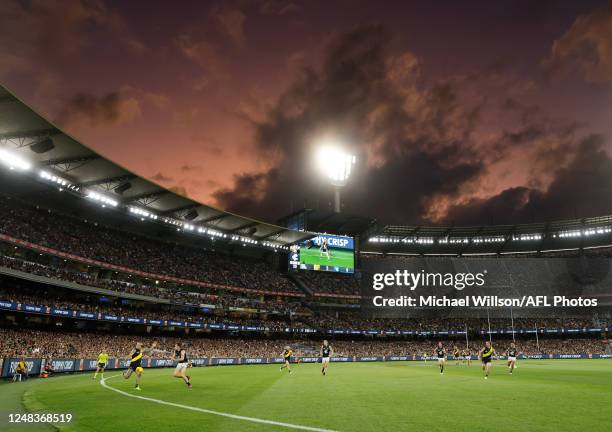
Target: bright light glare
335,164
101,198
13,161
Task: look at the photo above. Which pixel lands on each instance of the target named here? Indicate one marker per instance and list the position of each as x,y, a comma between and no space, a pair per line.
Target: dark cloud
108,109
279,7
576,191
415,142
427,155
161,177
586,46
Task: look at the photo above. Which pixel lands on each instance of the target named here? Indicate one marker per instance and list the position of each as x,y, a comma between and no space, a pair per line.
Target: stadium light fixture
102,199
335,164
14,161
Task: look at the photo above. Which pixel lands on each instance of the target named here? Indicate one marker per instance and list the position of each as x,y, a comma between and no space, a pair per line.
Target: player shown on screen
324,250
440,353
326,353
486,355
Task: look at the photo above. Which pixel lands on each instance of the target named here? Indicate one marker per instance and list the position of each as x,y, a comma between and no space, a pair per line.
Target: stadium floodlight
336,165
101,198
14,161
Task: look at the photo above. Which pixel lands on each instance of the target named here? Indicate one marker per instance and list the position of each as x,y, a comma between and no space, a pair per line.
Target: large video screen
324,253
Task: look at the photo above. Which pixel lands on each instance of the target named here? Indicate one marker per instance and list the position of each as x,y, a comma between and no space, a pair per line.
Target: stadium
95,259
277,215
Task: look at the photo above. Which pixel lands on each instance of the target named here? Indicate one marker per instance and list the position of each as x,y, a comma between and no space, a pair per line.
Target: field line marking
207,411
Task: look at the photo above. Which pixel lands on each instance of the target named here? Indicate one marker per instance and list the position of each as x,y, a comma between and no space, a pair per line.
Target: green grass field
542,395
338,258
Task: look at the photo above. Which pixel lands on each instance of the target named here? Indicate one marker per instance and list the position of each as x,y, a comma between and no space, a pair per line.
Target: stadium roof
26,135
544,237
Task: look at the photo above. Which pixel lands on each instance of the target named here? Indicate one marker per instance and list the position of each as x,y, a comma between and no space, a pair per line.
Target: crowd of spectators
93,241
357,320
54,298
69,299
329,283
48,344
151,289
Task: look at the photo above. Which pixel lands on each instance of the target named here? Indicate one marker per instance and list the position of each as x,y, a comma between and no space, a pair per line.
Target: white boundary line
207,411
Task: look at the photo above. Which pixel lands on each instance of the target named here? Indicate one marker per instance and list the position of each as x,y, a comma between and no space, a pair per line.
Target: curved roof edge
55,156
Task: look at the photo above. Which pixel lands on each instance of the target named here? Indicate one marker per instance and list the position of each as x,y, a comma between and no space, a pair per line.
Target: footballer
136,362
440,353
287,353
180,371
326,353
486,355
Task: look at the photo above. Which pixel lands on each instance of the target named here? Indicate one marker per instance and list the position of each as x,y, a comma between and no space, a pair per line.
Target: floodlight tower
336,165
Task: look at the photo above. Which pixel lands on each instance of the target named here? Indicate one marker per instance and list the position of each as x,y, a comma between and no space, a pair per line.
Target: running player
136,362
102,360
287,359
456,355
180,356
467,356
326,353
512,354
324,249
440,353
486,354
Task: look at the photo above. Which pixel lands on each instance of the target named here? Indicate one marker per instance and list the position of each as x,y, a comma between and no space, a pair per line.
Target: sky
461,113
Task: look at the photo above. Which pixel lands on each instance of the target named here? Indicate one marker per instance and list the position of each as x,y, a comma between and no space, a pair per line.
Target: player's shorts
134,366
288,359
512,359
486,359
441,359
181,366
324,359
101,365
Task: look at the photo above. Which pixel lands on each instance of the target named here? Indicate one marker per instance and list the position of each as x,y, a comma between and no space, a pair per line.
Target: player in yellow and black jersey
456,355
287,353
136,362
486,355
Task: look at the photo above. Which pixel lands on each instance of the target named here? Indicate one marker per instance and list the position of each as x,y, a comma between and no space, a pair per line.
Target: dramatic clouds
488,113
108,109
462,150
588,46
